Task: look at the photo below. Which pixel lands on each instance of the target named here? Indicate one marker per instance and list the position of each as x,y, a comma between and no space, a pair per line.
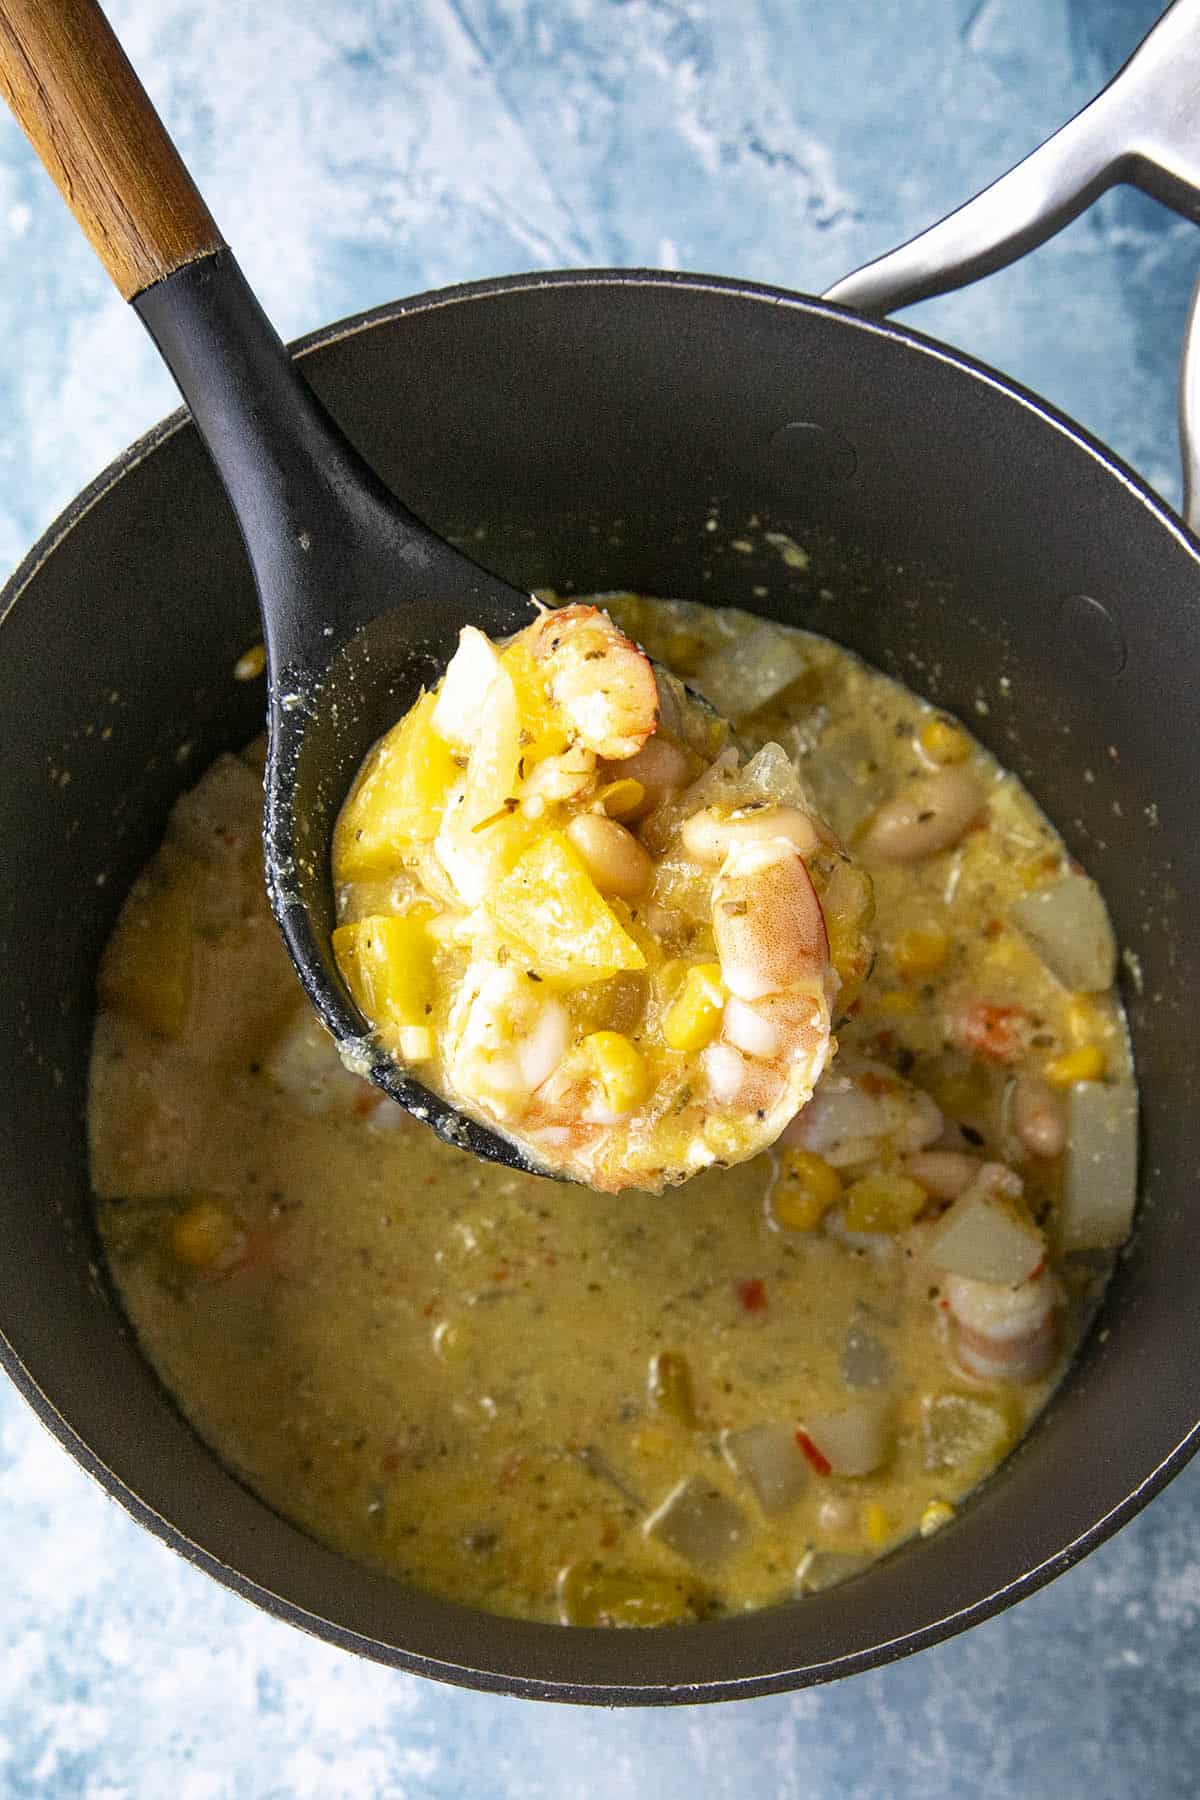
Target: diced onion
855,1441
769,1460
698,1522
984,1236
821,1569
866,1362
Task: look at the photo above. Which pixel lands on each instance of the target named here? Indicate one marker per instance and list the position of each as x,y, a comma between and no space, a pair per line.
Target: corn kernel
944,743
621,799
936,1514
723,1138
251,664
203,1234
921,951
806,1188
619,1067
877,1524
651,1440
883,1202
1084,1064
1084,1019
899,1000
694,1017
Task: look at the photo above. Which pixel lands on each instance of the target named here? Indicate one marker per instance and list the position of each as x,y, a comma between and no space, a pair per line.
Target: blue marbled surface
354,150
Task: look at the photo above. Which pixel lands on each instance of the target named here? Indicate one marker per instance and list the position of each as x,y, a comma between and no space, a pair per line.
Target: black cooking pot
588,432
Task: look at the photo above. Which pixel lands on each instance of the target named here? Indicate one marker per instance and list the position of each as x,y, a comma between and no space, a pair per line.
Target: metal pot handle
1141,129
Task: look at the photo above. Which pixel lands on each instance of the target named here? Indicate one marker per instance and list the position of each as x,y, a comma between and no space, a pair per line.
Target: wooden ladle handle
88,117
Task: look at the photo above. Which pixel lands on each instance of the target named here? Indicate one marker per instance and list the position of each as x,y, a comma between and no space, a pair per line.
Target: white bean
614,859
930,814
1039,1117
709,835
661,765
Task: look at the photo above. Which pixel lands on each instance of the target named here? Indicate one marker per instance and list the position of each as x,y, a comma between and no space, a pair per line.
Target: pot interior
590,433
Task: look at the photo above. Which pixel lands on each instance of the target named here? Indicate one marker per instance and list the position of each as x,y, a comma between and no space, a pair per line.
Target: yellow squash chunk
146,973
589,1594
543,730
475,857
387,963
550,903
398,798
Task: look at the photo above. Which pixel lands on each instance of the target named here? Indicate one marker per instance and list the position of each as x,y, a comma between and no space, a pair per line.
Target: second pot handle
1143,128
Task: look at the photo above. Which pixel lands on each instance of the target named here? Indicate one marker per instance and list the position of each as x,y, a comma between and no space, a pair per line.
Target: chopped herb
509,807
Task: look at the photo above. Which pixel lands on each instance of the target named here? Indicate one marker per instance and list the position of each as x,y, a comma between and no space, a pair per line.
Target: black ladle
360,601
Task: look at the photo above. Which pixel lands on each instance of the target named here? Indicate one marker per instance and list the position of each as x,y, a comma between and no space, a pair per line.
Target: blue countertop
358,150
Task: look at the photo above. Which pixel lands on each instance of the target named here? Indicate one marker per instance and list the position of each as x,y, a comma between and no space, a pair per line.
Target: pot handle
1140,129
87,115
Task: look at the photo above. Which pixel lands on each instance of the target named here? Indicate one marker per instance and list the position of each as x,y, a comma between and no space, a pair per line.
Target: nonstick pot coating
588,432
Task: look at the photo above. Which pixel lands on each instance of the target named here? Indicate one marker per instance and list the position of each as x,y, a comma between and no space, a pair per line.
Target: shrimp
861,1112
602,683
767,920
773,1043
773,952
505,1040
1001,1332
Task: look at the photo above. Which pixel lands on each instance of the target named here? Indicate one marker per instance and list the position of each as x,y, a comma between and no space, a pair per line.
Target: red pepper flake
820,1463
753,1294
993,928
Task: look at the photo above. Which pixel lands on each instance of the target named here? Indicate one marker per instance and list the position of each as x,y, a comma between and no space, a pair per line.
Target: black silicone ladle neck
361,603
330,545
